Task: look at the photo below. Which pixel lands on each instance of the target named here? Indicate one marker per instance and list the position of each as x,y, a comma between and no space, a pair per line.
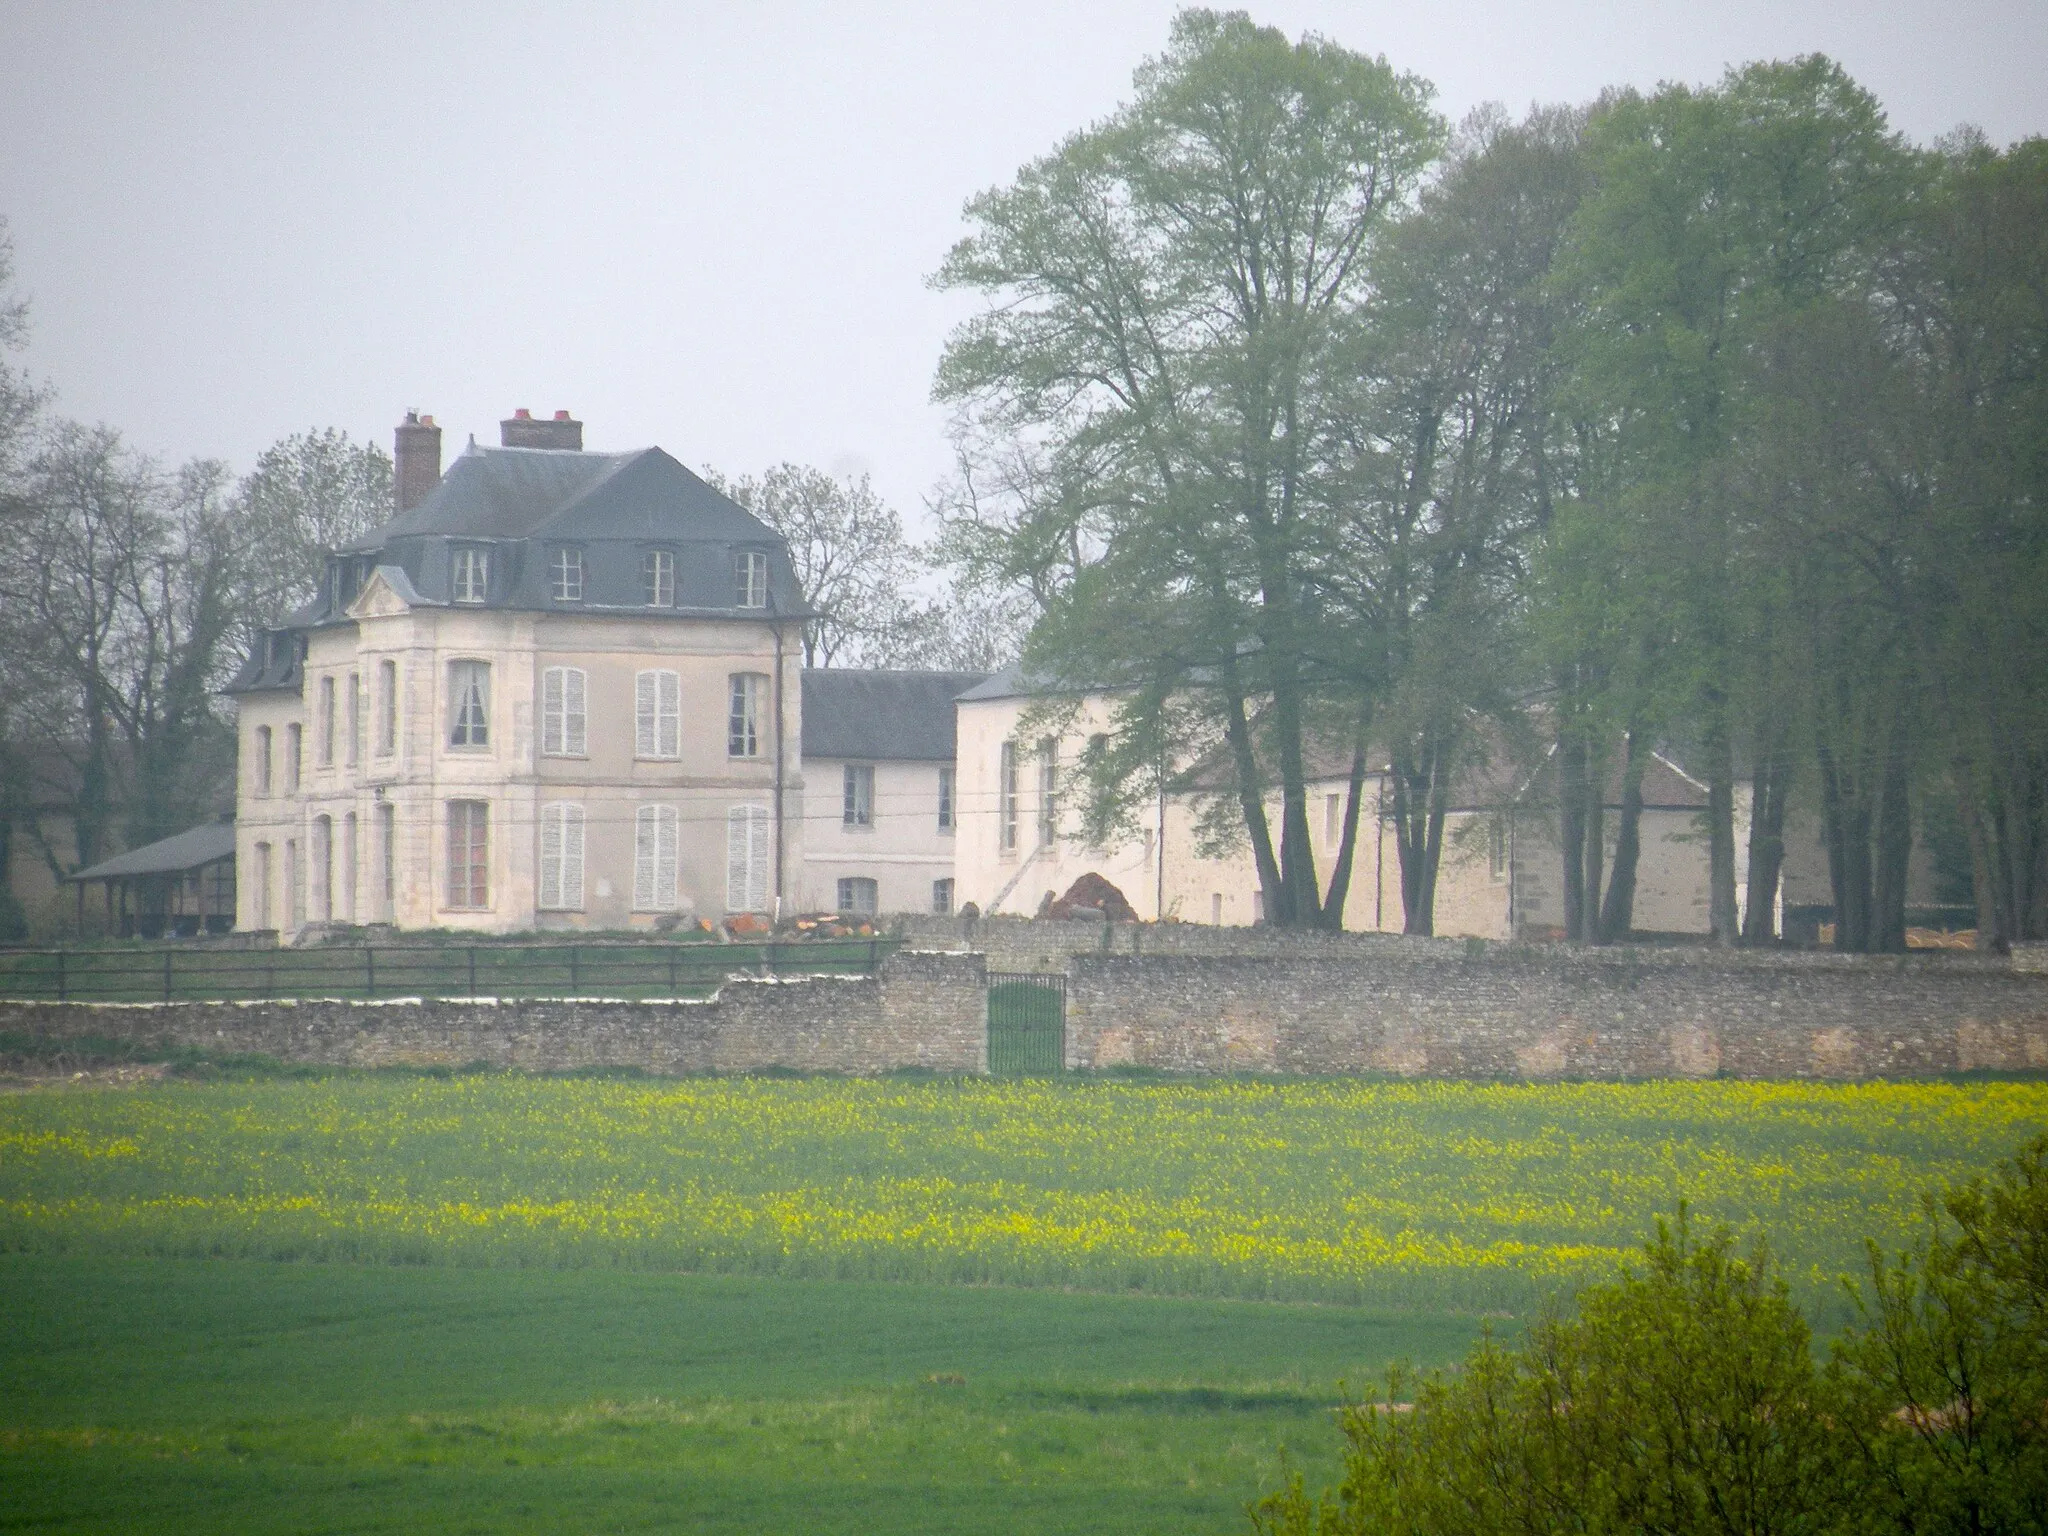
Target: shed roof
194,848
887,716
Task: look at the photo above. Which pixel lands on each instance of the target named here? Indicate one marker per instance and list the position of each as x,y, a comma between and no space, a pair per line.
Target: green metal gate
1027,1025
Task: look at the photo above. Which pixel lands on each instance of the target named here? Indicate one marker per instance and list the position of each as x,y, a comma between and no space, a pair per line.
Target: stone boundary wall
1514,1012
923,1010
1402,1007
1040,944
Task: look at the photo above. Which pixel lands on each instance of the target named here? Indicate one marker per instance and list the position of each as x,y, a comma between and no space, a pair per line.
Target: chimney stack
522,430
416,460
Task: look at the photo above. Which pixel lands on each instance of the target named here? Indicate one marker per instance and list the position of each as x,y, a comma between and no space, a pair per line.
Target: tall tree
1175,294
855,568
1460,455
307,494
1717,214
118,583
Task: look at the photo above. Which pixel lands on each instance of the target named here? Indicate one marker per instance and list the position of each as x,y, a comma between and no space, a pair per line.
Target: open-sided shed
182,885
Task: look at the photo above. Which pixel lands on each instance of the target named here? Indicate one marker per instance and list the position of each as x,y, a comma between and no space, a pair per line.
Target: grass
1430,1196
174,1396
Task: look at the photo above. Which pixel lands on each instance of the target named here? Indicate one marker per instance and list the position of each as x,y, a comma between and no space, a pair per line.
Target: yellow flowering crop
1424,1193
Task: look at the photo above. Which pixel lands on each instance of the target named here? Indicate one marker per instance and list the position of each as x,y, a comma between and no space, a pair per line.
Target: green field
192,1396
833,1305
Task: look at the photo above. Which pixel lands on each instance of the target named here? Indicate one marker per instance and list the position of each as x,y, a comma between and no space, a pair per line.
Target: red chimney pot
523,414
561,415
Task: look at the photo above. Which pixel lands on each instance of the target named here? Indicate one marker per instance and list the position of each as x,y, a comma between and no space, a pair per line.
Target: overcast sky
706,227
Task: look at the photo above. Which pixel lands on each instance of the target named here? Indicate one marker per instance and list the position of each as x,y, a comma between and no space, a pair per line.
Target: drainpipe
781,759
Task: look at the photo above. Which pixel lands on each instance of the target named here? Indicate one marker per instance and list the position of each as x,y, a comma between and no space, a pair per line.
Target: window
348,868
1006,798
262,764
942,896
1216,908
561,857
260,907
387,857
658,714
324,742
655,830
323,869
472,580
294,751
387,708
945,797
858,796
469,704
743,718
746,858
469,854
563,718
1048,791
354,747
1497,850
857,897
1333,817
750,579
565,574
294,883
658,578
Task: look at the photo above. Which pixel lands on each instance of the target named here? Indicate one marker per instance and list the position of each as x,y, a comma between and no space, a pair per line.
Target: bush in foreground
1687,1397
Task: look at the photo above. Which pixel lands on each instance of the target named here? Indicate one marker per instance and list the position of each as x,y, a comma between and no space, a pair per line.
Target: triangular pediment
386,593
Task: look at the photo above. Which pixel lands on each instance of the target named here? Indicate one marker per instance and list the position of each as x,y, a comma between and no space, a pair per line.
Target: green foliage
1686,1397
1152,402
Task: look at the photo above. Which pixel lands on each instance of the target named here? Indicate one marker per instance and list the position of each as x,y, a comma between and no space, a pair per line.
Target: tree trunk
1618,910
1571,831
1595,824
1419,831
1721,908
1332,917
1894,848
1769,783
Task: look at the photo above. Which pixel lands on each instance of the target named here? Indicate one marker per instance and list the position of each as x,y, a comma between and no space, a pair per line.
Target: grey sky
700,226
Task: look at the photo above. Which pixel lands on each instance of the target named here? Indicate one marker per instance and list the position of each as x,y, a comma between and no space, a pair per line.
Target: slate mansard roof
522,504
877,716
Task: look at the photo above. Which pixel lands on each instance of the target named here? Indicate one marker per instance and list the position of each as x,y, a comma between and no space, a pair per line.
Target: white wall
903,849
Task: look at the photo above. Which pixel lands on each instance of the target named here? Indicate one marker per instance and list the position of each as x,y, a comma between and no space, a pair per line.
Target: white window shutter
554,689
644,689
665,858
644,837
572,855
671,714
551,855
738,848
575,723
757,851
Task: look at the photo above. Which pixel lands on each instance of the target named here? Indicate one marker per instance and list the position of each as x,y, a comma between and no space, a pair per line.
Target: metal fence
1027,1024
631,971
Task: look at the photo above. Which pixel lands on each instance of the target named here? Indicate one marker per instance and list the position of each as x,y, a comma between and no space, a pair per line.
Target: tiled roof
857,714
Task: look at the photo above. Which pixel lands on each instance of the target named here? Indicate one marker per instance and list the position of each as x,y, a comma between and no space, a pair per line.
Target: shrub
1685,1397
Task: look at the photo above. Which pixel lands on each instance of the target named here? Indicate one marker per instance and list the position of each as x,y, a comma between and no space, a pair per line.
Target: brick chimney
523,430
416,460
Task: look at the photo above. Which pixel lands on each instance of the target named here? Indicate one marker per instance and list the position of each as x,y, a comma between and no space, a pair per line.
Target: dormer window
658,578
472,573
565,574
750,579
